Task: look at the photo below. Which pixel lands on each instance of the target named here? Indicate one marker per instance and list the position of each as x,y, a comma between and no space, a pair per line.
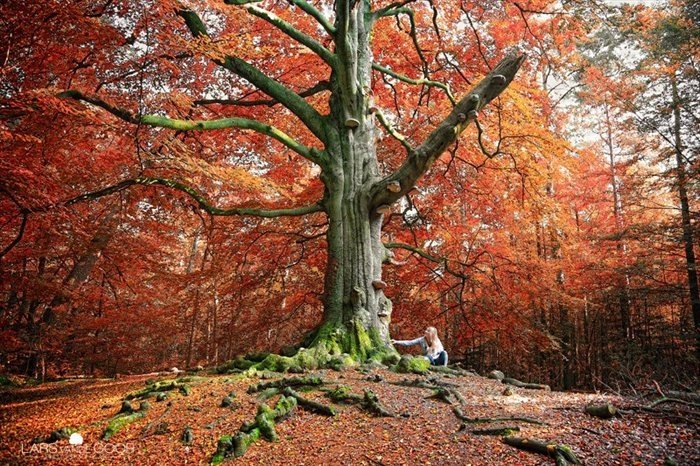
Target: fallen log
603,411
561,453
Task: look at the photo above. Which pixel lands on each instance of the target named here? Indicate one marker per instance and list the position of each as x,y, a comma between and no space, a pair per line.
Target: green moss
241,441
119,421
275,363
285,405
235,365
310,358
186,390
265,422
339,393
331,346
224,448
342,362
256,357
153,389
415,365
192,379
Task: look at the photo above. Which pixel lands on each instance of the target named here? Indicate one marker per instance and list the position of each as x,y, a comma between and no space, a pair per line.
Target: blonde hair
431,336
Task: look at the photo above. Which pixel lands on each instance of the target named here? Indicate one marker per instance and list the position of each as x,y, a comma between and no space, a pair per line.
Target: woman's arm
416,341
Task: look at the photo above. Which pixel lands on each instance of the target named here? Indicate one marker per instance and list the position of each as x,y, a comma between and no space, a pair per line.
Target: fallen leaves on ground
425,431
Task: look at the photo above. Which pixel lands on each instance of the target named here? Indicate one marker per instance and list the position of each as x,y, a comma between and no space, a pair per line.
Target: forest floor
425,430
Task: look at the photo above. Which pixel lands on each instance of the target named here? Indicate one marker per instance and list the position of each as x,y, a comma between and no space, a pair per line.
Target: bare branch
418,162
442,261
390,129
199,125
316,89
421,81
390,10
18,238
201,200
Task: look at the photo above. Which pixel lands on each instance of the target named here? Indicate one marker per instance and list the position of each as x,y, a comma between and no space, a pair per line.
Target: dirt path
427,432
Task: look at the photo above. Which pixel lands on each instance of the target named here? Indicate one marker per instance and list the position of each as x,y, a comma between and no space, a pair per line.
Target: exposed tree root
415,365
342,394
158,388
124,418
442,390
498,431
56,435
442,394
312,381
450,370
666,399
369,401
372,404
263,426
187,436
519,384
561,453
483,420
332,346
310,405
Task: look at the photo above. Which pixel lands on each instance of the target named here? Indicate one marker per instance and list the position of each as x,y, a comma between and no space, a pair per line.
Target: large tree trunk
354,294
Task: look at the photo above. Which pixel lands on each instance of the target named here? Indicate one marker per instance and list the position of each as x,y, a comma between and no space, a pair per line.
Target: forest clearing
422,426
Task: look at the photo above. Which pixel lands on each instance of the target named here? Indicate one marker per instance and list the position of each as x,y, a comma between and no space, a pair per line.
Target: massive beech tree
356,193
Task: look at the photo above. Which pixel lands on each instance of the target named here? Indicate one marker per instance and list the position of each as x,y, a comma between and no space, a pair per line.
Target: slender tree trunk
623,297
685,216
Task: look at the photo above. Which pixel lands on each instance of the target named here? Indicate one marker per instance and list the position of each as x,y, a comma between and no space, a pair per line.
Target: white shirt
432,352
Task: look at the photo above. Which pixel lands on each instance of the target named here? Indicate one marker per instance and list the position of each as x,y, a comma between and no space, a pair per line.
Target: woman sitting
431,345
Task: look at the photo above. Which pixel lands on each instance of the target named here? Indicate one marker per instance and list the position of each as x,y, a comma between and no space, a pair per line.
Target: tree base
335,347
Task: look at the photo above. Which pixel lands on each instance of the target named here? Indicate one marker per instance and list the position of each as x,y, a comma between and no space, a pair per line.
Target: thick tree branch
199,125
390,129
313,90
391,9
419,82
291,100
447,132
313,12
309,42
201,200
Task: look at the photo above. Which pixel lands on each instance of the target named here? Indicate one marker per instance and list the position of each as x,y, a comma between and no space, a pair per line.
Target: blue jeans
439,360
